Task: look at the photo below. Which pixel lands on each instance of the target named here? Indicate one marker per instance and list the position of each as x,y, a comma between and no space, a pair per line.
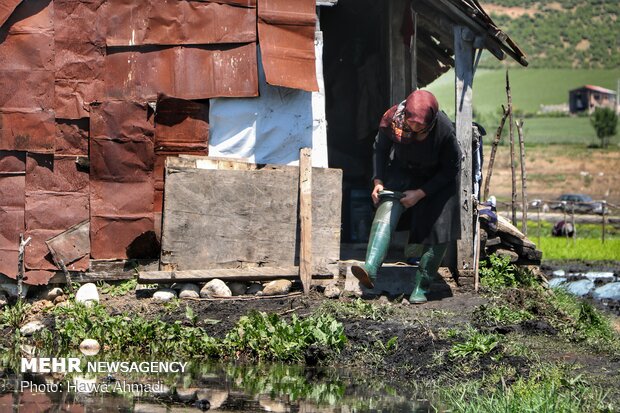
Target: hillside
560,34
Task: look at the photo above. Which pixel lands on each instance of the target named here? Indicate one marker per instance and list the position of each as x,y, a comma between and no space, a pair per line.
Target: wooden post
539,225
305,217
523,177
464,59
603,227
496,140
20,265
513,203
572,220
396,49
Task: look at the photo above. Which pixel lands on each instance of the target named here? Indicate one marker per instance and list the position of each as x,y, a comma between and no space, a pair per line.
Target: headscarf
420,106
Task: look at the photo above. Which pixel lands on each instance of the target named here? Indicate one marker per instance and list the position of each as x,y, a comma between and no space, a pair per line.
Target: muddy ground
419,331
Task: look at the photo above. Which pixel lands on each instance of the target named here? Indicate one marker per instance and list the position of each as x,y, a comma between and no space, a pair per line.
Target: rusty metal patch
71,245
197,72
173,22
12,191
79,56
38,277
181,125
11,225
27,131
57,198
32,16
286,36
26,51
55,174
26,90
12,162
6,9
72,137
243,3
121,187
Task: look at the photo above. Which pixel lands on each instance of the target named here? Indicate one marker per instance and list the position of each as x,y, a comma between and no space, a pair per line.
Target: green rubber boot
383,225
430,261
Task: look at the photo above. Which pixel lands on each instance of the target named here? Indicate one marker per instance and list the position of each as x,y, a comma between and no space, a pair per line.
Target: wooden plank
72,244
464,54
107,271
227,274
305,217
237,218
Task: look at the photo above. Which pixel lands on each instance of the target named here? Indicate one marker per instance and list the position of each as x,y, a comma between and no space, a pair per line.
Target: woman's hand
375,192
412,197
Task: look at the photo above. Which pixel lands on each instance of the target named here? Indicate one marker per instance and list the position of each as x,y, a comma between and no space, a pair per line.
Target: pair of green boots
383,226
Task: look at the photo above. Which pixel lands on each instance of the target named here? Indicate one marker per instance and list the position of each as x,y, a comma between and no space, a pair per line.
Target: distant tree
605,122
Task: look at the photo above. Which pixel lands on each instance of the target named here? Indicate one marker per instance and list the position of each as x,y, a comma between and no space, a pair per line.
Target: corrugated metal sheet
72,137
173,22
181,125
12,162
57,198
6,9
27,131
122,186
79,56
286,36
185,72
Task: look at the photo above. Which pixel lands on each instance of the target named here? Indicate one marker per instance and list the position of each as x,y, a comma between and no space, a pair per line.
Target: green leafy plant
119,289
477,344
15,315
502,315
498,272
357,308
605,122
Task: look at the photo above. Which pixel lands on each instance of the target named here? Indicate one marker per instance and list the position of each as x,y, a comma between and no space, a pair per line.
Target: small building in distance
588,97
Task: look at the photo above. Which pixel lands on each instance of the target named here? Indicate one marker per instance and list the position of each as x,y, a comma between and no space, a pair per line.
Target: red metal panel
79,56
173,22
185,72
72,137
57,198
121,186
27,131
243,3
181,125
55,174
12,191
11,225
286,35
6,9
22,90
32,16
38,277
12,162
38,257
27,51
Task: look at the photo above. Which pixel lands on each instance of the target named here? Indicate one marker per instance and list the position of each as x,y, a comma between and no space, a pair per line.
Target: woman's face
419,130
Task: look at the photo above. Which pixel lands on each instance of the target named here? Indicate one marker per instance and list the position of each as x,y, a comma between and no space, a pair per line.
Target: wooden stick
20,265
539,224
226,274
477,257
572,220
305,217
238,298
603,228
60,264
513,204
496,140
523,177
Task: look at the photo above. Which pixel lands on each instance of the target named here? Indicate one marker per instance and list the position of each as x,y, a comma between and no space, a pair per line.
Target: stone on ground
87,294
215,288
189,291
31,327
277,287
165,294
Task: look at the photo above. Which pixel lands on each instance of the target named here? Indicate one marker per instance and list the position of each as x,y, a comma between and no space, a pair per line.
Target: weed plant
476,344
357,308
14,316
551,388
120,289
497,272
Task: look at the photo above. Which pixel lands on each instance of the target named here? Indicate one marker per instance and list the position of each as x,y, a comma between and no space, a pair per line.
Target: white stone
559,273
87,294
165,294
254,288
186,395
579,288
4,300
89,347
277,287
189,291
149,408
31,327
53,293
215,288
332,291
609,291
237,288
556,282
602,276
275,406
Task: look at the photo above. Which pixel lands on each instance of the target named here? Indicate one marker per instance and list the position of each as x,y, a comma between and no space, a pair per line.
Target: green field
530,87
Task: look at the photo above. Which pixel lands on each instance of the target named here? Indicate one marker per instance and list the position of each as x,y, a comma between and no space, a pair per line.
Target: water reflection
203,386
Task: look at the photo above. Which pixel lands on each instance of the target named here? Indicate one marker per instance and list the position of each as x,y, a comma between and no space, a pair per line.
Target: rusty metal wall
77,138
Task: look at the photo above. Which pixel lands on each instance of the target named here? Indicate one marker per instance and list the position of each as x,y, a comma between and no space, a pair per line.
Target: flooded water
106,387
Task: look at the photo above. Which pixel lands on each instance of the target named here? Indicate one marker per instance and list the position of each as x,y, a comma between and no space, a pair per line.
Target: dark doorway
354,67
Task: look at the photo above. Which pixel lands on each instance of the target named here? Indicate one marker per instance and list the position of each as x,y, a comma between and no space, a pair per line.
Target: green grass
589,249
530,87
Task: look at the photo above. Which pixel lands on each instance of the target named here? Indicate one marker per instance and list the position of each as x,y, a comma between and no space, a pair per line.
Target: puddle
200,387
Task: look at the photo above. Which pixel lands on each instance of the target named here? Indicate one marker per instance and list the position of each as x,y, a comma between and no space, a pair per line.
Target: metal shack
96,94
